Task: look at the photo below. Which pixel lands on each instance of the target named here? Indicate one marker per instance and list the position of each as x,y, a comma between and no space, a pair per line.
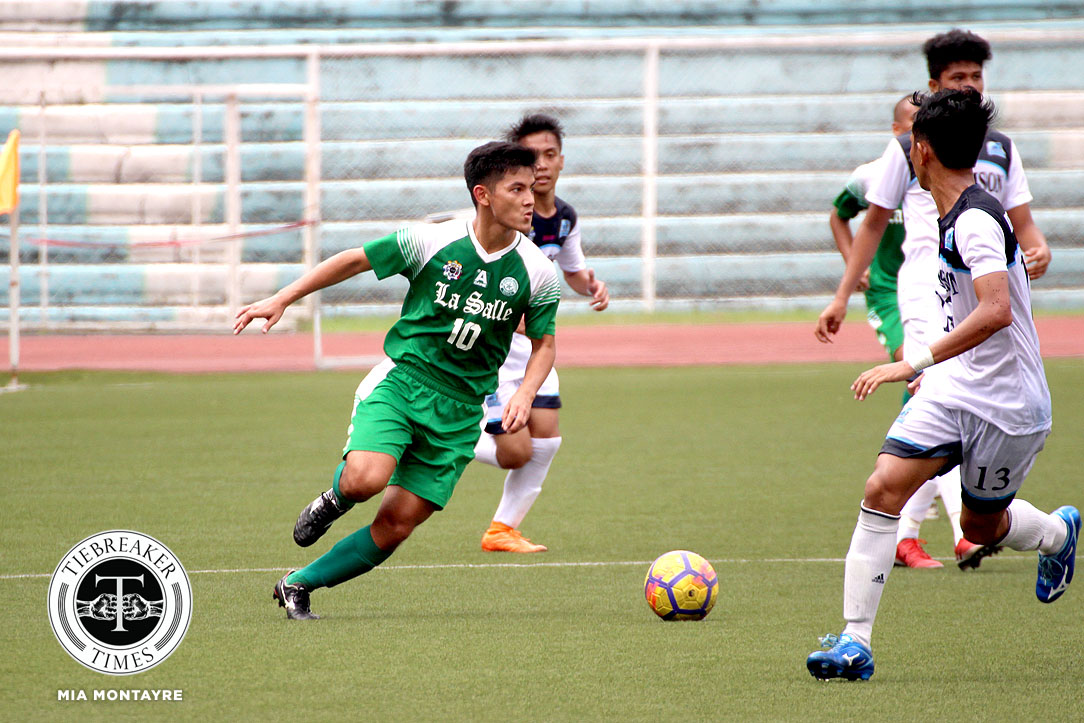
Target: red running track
577,346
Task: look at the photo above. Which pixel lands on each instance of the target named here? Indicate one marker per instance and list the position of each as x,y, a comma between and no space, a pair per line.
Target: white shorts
548,397
374,377
993,464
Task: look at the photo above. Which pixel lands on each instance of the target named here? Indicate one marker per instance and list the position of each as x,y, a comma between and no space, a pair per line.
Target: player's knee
359,482
513,458
882,495
514,450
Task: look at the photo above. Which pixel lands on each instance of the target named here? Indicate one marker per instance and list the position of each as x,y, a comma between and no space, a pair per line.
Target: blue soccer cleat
842,657
1056,571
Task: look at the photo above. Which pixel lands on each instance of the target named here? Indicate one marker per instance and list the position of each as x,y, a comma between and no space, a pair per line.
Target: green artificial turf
758,469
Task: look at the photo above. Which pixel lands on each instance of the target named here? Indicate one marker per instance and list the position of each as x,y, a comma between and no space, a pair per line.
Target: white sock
914,512
486,450
1032,529
522,486
949,486
869,560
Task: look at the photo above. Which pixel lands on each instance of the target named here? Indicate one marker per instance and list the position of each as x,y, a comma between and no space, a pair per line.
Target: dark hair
953,47
488,163
535,123
954,123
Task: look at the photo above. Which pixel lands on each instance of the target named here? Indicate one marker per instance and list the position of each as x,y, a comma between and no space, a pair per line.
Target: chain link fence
703,176
703,170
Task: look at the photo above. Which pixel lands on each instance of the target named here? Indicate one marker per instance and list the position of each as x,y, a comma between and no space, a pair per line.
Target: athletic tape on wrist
920,358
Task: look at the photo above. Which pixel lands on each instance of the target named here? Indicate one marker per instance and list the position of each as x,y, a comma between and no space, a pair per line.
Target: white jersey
864,176
998,171
1002,379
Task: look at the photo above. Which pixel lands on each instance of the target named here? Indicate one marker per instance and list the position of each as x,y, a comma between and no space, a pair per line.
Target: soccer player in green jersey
416,415
879,282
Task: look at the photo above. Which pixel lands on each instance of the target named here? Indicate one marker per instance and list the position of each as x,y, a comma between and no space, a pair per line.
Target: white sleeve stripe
411,247
548,293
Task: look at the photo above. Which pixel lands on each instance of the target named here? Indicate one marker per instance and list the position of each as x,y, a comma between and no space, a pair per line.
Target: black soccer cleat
316,519
295,598
969,555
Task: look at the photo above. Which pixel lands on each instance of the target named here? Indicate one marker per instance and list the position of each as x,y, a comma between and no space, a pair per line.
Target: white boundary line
497,565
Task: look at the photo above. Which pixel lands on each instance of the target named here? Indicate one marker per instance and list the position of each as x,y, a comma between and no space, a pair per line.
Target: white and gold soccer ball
681,585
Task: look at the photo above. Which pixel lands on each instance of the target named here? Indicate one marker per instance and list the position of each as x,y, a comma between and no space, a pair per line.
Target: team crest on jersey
452,270
950,239
994,148
509,286
565,228
481,278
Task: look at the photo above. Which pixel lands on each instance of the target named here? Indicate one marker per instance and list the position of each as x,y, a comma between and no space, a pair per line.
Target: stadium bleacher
753,142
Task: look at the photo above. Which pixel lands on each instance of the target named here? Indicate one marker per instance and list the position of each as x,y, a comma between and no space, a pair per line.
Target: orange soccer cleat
502,538
909,553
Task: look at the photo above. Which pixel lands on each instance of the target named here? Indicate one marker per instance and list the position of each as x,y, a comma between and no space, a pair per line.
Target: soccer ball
681,585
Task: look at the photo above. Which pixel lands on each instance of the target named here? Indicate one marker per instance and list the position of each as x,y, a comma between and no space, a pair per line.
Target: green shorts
883,312
430,433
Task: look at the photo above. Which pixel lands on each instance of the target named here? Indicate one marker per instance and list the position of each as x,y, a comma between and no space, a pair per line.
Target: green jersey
463,304
849,203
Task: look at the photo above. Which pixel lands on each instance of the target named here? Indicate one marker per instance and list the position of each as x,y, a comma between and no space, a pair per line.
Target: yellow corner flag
9,174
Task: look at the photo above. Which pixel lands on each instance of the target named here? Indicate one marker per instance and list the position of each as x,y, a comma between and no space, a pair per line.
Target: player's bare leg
400,512
361,475
524,483
514,450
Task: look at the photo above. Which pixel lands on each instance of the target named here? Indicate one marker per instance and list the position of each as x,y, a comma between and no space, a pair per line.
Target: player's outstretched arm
584,283
862,252
331,271
993,313
518,410
1032,241
841,234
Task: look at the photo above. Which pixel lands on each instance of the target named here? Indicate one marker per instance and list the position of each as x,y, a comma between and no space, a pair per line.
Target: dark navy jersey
558,236
992,166
553,231
973,197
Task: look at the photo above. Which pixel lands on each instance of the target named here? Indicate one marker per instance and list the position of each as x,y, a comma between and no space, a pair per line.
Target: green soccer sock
906,394
351,556
344,503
